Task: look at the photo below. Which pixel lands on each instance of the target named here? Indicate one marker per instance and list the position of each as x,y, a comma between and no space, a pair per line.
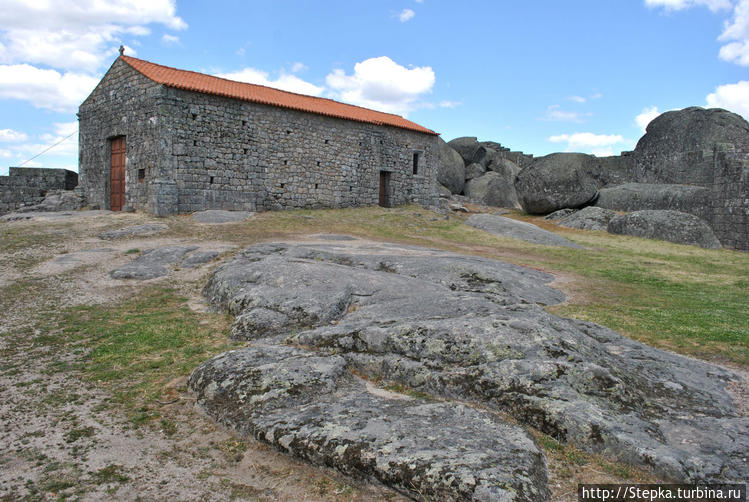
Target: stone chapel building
167,141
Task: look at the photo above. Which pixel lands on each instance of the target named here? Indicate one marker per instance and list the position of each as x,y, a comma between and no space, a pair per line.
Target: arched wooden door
117,174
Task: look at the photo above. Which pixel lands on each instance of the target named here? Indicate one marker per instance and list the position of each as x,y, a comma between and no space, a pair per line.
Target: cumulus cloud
736,33
297,67
736,30
62,139
733,97
75,34
587,142
406,15
382,84
577,99
11,136
646,116
285,81
50,89
556,114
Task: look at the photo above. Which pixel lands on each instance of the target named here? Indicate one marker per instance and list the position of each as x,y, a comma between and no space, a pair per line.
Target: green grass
138,347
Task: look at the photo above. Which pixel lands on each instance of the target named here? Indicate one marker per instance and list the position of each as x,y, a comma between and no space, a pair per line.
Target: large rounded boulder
556,181
677,143
451,171
672,226
466,146
492,189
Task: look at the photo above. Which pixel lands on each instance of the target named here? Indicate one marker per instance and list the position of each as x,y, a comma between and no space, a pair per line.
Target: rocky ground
74,436
65,438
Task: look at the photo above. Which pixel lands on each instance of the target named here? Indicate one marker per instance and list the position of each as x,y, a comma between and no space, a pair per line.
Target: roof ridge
396,120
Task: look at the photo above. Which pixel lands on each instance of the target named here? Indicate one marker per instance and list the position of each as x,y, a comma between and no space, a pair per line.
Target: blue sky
538,75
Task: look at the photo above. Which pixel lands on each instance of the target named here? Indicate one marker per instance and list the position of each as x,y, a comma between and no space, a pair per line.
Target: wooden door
117,174
384,188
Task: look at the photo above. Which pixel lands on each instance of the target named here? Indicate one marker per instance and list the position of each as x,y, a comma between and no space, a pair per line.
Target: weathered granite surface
462,328
692,199
220,216
451,172
673,226
587,218
152,263
556,181
311,406
507,227
493,189
137,230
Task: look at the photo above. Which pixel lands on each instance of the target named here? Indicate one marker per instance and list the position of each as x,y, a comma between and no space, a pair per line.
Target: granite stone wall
188,151
125,103
26,186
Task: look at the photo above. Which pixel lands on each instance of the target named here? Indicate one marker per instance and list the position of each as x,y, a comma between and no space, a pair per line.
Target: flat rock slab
310,406
220,216
507,227
152,263
469,329
198,258
137,230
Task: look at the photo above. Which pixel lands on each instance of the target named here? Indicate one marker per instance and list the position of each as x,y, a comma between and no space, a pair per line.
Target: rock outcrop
507,227
457,328
672,226
56,200
492,189
690,199
451,171
676,143
556,181
587,218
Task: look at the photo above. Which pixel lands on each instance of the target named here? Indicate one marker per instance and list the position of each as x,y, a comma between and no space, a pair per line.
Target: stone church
167,141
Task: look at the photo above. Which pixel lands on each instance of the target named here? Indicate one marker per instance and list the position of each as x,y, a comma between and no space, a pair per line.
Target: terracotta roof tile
207,84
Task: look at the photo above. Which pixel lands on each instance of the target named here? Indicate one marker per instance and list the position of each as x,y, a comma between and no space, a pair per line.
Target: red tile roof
207,84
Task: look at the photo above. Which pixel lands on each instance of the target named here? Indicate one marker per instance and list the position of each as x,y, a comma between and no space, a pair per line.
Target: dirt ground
62,439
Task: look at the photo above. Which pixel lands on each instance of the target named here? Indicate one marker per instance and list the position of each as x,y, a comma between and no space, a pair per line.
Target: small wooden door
117,174
384,188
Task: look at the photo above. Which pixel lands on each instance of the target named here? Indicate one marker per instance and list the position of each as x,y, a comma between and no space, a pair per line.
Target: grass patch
137,347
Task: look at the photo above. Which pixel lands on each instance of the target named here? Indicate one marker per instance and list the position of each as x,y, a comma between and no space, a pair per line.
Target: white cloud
297,67
5,154
713,5
75,34
49,89
11,136
646,116
587,142
733,97
285,81
449,104
556,114
406,15
382,84
577,99
736,32
170,39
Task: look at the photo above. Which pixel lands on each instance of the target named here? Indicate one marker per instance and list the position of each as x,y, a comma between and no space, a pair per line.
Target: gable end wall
125,103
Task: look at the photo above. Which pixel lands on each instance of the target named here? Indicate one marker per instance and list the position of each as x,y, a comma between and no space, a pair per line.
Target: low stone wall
26,186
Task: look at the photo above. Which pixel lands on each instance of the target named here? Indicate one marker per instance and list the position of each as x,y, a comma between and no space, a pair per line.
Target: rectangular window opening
211,180
195,116
318,162
315,186
416,163
195,142
244,123
244,150
283,185
141,175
